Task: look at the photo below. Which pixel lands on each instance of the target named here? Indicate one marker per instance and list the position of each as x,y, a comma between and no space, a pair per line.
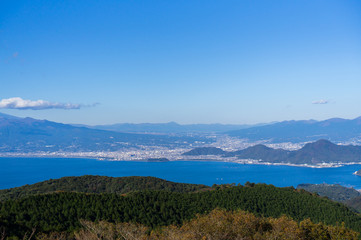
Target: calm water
20,171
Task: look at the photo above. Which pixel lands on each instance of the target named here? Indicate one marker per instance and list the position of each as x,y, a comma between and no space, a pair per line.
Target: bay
16,172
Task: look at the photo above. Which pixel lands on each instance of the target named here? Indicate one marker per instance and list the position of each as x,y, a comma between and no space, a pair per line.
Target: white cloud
322,101
19,103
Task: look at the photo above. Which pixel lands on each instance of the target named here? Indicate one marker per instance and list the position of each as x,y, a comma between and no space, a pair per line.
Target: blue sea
16,172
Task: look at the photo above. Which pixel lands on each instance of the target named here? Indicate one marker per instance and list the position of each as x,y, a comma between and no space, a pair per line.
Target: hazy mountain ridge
171,127
32,135
334,129
28,135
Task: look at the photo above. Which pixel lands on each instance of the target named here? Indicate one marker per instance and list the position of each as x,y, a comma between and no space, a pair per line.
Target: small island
157,160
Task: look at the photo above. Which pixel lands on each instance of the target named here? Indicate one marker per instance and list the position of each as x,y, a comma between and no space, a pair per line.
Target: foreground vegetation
62,211
217,225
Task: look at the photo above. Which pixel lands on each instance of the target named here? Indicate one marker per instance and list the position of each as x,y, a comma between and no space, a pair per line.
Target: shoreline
188,159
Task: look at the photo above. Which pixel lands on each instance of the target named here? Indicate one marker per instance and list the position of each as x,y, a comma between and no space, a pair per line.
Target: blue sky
102,62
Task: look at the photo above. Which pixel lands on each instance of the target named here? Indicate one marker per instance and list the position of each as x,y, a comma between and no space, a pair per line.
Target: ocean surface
16,172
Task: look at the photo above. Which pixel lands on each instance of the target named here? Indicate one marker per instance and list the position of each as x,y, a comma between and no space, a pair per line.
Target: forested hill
355,203
98,184
204,151
335,192
62,211
321,151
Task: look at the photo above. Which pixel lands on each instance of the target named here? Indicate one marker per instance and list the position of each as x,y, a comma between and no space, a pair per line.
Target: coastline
204,158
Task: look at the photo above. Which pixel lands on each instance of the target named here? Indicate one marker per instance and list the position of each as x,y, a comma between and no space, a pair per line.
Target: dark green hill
261,152
321,151
205,151
326,151
334,192
98,184
62,211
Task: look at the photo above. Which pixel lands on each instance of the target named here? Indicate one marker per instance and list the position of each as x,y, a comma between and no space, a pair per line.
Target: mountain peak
259,147
205,151
320,144
323,142
336,120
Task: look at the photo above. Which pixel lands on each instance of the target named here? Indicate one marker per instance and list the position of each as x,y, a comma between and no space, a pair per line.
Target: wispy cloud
23,104
322,101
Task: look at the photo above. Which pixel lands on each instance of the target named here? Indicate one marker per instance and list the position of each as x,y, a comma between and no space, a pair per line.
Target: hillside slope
354,203
321,151
334,192
62,211
98,184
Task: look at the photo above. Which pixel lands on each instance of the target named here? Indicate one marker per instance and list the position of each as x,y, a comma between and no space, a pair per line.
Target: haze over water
16,172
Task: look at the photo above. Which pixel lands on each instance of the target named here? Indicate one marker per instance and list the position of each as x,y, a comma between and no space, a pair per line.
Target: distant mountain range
171,127
32,135
321,151
334,129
